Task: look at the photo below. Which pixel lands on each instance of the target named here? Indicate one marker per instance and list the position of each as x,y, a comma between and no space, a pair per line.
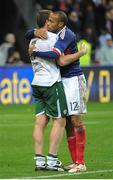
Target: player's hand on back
41,33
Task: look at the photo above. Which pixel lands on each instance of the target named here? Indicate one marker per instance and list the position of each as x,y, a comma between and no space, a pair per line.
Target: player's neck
60,29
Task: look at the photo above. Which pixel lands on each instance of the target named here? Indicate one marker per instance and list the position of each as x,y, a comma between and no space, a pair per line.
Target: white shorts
75,90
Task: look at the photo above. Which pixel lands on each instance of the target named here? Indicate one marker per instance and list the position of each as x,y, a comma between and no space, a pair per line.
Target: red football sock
72,147
80,144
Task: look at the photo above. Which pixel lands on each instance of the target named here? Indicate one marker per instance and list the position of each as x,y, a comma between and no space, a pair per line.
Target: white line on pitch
65,174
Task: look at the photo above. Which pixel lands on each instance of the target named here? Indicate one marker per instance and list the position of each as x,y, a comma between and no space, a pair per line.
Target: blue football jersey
67,44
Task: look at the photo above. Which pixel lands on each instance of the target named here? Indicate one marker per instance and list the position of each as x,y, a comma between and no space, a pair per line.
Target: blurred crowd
8,52
91,21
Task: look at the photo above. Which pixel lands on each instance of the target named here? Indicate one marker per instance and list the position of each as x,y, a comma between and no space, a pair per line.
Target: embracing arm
70,58
59,47
63,60
55,54
29,34
48,54
39,33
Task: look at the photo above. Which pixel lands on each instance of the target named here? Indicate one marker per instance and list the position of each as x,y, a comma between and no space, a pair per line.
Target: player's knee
77,121
61,122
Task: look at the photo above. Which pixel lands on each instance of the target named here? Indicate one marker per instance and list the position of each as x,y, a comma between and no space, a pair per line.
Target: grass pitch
16,144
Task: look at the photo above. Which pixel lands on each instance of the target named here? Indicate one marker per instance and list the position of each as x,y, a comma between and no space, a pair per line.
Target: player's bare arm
67,59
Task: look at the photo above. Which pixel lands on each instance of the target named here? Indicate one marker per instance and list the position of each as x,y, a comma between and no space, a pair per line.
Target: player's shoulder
70,34
66,33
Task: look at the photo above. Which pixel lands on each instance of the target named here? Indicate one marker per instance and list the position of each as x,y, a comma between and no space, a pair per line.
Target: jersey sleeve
47,54
63,42
29,34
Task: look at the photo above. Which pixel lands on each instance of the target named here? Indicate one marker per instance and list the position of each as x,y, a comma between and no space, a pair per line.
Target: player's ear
61,24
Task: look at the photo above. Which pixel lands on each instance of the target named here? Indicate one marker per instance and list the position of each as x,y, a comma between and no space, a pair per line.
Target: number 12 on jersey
74,106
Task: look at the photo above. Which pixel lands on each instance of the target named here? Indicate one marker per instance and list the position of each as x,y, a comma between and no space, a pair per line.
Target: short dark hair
62,16
42,16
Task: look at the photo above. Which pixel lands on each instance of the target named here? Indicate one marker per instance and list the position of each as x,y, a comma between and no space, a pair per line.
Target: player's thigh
75,90
39,103
56,101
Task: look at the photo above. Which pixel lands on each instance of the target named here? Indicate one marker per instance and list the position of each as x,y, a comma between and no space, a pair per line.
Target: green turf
16,144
